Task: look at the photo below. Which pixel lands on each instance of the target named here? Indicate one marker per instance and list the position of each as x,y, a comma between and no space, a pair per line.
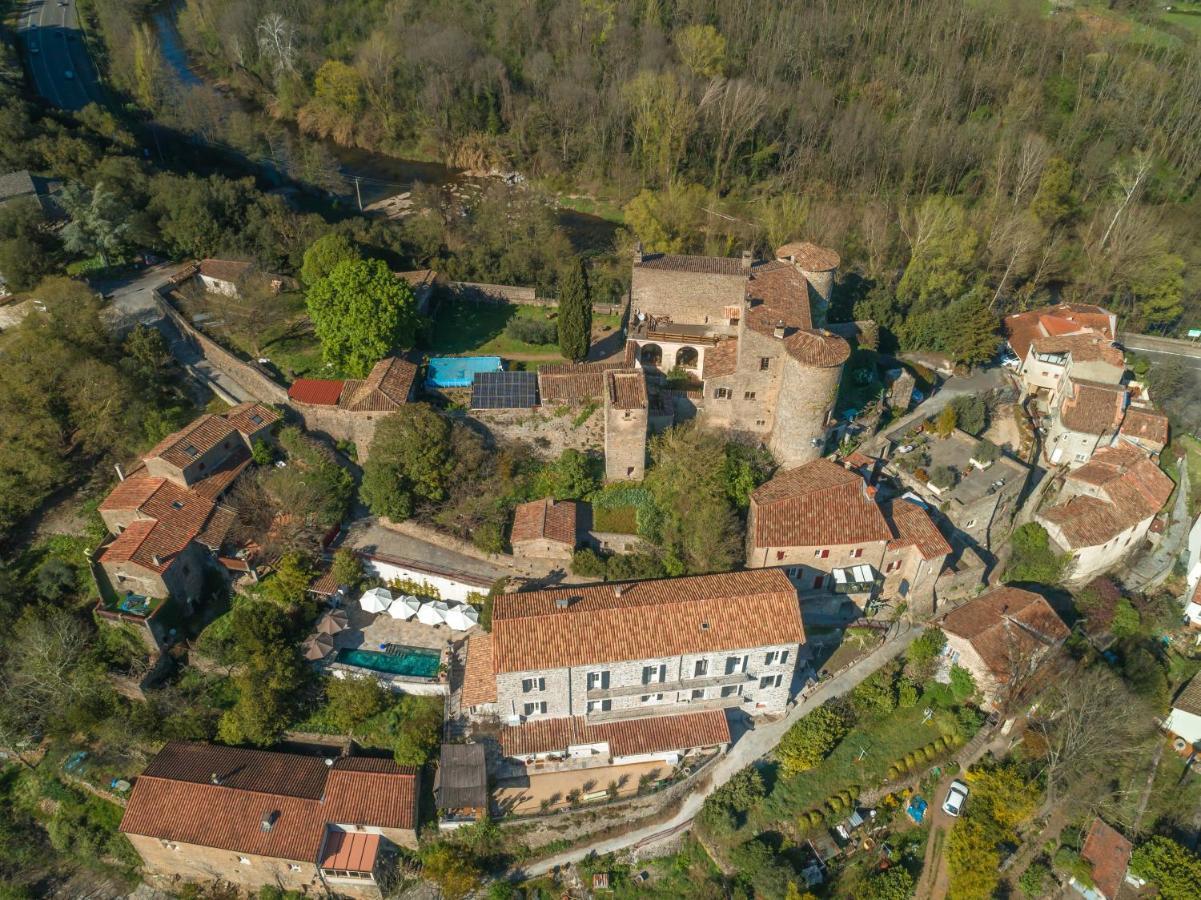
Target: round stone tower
812,369
819,266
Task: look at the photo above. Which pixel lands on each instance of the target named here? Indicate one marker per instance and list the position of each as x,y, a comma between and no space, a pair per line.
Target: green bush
893,772
835,803
1034,880
532,331
809,741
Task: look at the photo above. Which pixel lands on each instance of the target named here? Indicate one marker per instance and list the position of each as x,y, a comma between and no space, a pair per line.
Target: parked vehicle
956,795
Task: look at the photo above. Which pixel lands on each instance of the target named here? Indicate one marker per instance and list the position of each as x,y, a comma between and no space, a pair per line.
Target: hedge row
835,805
920,757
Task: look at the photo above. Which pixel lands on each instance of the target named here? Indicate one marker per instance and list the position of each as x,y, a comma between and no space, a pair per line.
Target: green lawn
479,329
618,520
881,741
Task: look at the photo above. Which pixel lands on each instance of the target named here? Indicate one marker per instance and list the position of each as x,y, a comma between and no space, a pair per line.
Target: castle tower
811,371
819,265
627,409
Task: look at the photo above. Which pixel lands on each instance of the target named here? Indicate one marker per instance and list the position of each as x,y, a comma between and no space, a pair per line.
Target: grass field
479,329
880,742
619,519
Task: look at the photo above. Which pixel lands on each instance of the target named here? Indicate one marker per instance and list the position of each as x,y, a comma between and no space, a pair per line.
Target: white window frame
533,685
598,680
599,706
534,708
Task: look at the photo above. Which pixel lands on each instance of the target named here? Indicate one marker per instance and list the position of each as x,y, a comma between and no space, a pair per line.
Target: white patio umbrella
433,613
463,618
376,600
404,607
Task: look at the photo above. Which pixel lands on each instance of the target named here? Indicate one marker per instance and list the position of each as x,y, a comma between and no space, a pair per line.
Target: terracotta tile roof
1145,425
809,257
708,265
647,734
914,528
820,348
721,359
479,677
350,850
627,390
1022,328
221,476
576,382
175,799
146,539
1084,521
316,391
1108,852
1189,698
217,528
386,388
545,520
224,269
194,440
250,417
1006,626
818,504
134,492
1092,408
777,295
324,584
644,620
1082,348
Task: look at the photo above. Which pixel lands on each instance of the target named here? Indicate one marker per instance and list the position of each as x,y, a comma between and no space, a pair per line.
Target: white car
905,448
956,795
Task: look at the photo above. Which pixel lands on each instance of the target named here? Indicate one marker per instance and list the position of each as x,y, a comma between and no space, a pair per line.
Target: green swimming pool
400,660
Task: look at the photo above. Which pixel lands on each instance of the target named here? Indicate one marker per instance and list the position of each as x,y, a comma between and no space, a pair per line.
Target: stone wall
806,398
191,861
339,424
693,297
547,433
625,443
753,414
252,380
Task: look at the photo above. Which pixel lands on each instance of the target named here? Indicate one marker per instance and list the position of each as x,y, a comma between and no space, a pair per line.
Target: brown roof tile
1088,347
250,417
386,388
648,734
809,257
644,620
778,295
721,359
576,382
627,390
479,676
316,391
175,799
1145,425
545,519
225,269
185,445
1006,626
914,528
1189,698
1108,852
1022,328
1092,408
709,265
819,348
818,504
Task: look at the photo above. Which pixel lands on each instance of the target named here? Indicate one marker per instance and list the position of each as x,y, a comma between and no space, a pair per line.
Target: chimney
120,472
156,559
619,589
637,252
268,820
779,330
562,602
746,260
215,778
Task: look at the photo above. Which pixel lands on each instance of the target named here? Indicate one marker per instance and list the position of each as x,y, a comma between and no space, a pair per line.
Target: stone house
256,818
822,524
165,514
350,409
1085,415
1022,329
1184,721
545,529
1002,637
752,333
222,276
1051,360
640,649
1105,508
1145,428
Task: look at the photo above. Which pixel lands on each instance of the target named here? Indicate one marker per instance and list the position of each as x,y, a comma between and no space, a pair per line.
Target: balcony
654,710
663,687
675,332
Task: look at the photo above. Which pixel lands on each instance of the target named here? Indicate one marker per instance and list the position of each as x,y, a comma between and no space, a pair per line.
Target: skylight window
191,451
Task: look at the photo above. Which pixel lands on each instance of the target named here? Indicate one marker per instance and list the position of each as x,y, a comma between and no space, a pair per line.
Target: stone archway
687,358
651,355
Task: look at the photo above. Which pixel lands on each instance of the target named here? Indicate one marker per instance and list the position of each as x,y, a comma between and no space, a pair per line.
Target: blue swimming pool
458,371
401,660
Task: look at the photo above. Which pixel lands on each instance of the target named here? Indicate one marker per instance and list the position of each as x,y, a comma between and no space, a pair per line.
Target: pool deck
368,630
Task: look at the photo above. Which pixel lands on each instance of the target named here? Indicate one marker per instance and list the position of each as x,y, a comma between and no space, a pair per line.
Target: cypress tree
575,312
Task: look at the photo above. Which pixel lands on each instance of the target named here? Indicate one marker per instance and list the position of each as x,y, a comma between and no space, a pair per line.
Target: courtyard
524,796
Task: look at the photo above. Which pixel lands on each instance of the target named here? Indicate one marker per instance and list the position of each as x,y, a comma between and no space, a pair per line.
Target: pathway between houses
1157,565
750,747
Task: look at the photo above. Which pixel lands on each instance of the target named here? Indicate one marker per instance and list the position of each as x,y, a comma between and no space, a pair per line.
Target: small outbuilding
461,785
545,529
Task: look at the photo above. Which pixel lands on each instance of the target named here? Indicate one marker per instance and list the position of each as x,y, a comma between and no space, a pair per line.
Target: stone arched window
687,357
651,354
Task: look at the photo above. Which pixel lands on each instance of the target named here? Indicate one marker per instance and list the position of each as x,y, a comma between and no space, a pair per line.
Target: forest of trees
1010,154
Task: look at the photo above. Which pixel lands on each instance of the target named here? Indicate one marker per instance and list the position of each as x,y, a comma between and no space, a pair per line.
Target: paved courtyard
525,795
369,630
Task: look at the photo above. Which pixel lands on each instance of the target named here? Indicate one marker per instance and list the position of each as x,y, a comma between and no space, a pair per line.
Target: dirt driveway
933,883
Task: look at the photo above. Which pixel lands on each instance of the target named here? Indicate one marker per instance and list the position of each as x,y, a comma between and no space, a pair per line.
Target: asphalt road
1159,349
53,44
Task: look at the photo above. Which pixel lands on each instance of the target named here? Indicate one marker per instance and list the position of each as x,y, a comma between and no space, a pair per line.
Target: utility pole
358,193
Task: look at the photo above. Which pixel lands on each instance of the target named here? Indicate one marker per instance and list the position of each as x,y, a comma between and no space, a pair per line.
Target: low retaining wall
252,380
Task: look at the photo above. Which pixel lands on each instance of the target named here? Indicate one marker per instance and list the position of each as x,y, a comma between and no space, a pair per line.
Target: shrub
835,803
1034,880
893,772
986,452
944,477
588,563
809,741
532,331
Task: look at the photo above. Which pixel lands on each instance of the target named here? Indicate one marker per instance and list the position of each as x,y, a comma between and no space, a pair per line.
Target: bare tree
733,107
1130,176
277,42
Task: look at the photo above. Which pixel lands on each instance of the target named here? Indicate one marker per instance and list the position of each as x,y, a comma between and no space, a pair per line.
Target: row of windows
539,708
728,394
657,674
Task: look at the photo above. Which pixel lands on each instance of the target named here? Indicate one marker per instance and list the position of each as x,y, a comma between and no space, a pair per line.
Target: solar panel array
504,390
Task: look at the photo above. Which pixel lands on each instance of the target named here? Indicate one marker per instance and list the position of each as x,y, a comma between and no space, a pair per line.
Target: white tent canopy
433,613
404,607
463,618
376,600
